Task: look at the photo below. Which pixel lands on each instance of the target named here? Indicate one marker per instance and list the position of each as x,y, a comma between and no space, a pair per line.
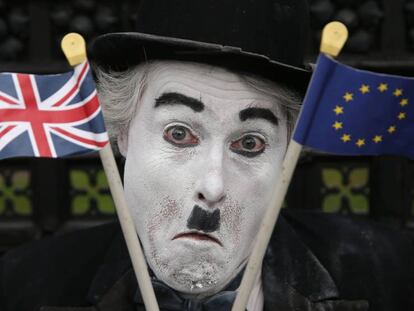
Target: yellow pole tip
74,47
334,36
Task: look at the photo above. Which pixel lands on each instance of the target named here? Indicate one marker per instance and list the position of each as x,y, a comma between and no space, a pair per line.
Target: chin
191,272
194,278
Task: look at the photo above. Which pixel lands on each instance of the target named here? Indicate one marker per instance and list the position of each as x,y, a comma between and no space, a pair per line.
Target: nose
210,186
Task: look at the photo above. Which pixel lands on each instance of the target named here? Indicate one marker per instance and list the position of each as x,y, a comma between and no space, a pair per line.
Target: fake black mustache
203,220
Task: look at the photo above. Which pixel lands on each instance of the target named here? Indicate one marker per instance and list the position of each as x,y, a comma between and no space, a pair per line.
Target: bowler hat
265,37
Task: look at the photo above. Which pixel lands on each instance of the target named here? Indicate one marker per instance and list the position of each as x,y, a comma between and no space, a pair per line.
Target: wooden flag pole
333,39
73,45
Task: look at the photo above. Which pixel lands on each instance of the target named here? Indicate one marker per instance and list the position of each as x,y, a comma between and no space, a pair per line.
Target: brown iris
180,136
248,145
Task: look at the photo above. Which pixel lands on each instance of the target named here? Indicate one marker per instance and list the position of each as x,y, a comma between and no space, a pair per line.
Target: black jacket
314,262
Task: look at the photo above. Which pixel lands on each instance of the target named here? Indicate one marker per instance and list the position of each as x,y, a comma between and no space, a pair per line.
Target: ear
122,141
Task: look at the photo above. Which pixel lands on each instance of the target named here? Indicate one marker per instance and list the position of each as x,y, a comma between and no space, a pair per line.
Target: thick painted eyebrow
256,113
179,99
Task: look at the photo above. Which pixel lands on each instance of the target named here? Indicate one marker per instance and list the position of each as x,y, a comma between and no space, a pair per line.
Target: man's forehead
209,84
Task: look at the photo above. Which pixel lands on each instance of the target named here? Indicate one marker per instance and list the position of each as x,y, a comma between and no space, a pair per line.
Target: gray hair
288,99
120,92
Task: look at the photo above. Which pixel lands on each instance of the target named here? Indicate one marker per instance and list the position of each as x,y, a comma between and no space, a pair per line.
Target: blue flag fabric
355,112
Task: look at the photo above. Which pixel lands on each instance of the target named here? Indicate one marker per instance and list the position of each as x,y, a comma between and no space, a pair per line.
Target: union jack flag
50,115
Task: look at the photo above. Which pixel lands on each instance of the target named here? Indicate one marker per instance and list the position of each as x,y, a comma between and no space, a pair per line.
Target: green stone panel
91,197
15,197
342,187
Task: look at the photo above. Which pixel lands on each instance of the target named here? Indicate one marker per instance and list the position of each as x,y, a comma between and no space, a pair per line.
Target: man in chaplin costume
201,101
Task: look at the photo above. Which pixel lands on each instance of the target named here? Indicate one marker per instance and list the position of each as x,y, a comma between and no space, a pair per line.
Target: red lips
200,236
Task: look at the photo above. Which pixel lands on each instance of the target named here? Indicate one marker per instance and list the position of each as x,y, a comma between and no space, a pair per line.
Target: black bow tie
169,300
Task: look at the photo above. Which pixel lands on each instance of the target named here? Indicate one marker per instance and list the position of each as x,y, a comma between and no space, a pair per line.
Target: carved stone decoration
15,193
409,19
363,19
89,193
85,17
345,189
14,31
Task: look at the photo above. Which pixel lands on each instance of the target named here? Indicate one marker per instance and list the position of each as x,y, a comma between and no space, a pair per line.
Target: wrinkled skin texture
166,176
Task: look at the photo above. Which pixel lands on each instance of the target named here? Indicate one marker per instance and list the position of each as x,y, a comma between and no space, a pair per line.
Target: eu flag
355,112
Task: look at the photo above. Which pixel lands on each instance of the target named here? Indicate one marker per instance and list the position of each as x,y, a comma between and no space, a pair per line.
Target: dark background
40,197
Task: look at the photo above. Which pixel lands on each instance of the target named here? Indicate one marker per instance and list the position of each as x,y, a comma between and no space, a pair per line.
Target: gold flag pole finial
334,36
74,47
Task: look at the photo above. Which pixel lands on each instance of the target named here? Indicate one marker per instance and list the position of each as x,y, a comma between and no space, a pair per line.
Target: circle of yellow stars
364,89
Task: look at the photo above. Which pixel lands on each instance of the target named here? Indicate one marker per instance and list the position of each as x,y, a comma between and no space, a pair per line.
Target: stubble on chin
192,272
200,275
156,229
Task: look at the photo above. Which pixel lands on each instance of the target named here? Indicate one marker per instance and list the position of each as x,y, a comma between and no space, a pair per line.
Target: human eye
179,135
249,145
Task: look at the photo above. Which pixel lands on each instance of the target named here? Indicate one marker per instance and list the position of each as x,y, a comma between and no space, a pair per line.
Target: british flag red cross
50,115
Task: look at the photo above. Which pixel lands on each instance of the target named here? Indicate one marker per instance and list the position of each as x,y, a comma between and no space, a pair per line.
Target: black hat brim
120,51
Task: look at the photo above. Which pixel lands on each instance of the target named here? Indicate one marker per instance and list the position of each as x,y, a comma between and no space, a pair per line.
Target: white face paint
177,158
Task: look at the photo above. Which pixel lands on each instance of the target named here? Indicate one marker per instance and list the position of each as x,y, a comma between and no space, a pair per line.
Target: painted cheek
160,223
232,218
169,213
241,218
